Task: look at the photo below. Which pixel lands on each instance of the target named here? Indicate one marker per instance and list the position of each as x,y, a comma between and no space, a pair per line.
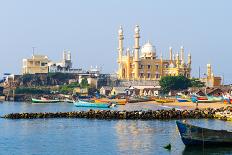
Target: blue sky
89,29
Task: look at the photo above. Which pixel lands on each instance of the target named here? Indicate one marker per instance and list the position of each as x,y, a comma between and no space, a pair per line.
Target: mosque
143,63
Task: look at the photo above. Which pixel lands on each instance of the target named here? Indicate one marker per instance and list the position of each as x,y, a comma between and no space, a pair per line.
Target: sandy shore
190,105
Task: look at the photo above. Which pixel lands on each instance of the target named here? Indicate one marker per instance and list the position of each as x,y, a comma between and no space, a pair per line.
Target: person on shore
196,104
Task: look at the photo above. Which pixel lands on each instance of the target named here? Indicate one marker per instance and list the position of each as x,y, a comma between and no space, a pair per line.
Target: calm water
83,136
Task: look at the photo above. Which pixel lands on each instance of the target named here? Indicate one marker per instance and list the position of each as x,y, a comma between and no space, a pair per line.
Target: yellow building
36,64
147,65
211,80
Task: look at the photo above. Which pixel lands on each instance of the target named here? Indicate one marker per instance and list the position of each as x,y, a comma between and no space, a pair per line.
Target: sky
88,28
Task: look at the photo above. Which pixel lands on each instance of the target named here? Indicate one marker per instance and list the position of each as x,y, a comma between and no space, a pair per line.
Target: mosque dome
148,50
171,65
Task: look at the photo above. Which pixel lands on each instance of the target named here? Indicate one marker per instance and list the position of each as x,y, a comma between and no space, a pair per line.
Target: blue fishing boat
182,100
80,103
194,136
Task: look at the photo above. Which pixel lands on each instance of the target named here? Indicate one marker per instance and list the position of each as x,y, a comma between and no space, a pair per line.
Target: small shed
105,90
81,91
119,90
144,90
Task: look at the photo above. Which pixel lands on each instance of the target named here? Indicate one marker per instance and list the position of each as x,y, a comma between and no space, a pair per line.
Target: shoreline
190,105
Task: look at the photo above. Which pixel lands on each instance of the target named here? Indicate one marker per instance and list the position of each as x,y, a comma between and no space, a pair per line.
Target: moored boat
193,135
43,100
227,98
164,100
80,103
206,99
117,101
182,99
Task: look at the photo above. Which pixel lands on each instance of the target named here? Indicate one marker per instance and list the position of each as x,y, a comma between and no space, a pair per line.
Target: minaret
182,55
69,55
177,60
64,55
120,50
128,63
120,43
161,64
170,53
209,70
136,51
189,60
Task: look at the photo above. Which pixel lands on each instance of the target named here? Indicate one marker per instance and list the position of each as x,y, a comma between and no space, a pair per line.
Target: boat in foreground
193,135
43,100
80,103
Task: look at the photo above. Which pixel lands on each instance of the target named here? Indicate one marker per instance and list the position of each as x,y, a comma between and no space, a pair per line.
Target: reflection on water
90,136
140,138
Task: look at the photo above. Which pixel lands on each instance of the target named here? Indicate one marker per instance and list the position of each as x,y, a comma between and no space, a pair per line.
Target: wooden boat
80,103
117,101
43,100
201,99
182,99
215,98
68,101
227,98
165,100
193,135
206,99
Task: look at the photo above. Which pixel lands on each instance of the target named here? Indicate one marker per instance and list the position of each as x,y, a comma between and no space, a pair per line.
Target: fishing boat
43,100
165,100
117,101
227,98
68,101
81,103
193,135
182,99
206,99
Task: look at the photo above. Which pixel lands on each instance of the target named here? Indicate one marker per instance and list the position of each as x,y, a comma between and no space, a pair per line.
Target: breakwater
110,114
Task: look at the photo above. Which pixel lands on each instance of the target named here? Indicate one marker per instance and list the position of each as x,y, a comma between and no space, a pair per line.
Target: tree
68,89
197,83
84,83
169,83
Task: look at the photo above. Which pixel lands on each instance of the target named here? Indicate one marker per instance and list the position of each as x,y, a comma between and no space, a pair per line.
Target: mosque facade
143,63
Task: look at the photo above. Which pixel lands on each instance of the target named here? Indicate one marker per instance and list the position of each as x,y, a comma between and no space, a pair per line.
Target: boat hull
89,104
165,100
118,102
44,101
193,135
182,100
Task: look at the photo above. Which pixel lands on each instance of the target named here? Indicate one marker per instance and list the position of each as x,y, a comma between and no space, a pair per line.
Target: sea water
92,136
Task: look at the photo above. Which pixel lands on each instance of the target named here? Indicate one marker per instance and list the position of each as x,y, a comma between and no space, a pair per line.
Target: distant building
80,91
105,90
119,91
144,90
147,65
41,64
64,65
211,80
36,64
